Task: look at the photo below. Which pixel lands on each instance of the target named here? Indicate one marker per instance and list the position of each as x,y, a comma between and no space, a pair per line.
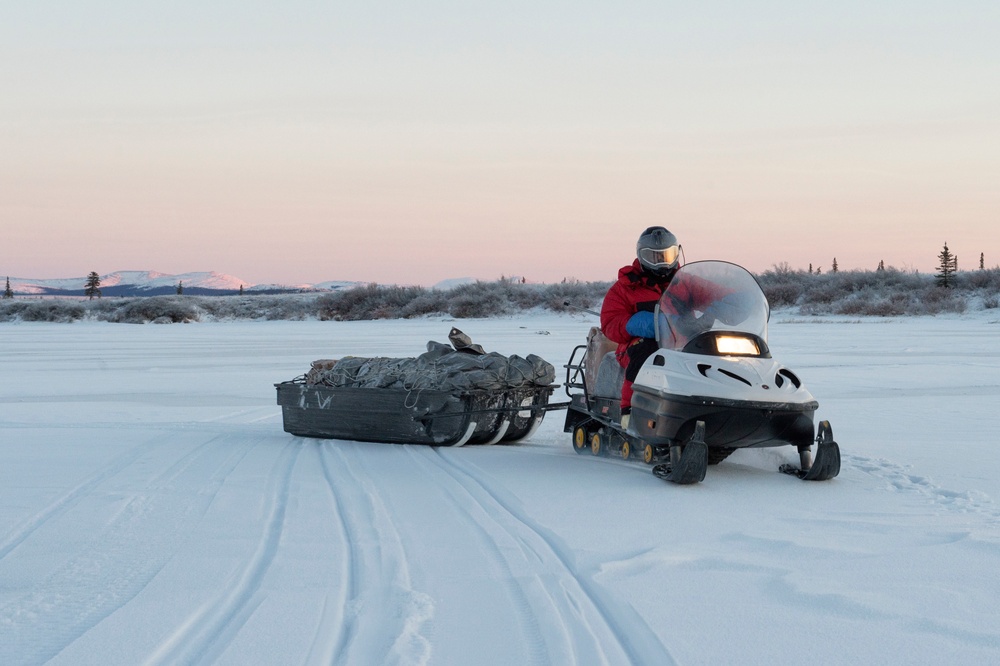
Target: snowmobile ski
688,464
826,463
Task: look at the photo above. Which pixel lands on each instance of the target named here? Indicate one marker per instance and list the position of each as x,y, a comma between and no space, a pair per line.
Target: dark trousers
633,358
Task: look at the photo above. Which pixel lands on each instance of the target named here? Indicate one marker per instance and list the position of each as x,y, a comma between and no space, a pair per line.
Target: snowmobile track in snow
117,563
206,634
591,625
376,576
57,508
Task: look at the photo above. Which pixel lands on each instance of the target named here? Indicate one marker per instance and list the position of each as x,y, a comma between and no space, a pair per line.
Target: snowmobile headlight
732,345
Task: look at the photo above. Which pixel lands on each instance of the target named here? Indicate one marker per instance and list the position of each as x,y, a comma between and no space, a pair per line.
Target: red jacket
637,290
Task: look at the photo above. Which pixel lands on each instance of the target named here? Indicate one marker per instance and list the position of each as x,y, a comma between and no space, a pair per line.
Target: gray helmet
658,251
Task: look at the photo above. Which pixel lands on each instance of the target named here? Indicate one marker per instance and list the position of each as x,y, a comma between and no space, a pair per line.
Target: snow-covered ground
152,510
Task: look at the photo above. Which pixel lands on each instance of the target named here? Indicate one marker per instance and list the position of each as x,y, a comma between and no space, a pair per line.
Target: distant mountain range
151,283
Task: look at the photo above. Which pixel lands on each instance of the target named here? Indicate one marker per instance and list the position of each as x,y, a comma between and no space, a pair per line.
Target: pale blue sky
311,141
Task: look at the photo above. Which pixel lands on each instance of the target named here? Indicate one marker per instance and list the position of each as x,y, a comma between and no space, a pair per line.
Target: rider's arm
615,313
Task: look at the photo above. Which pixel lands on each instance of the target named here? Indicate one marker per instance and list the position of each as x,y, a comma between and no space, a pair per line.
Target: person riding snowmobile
627,312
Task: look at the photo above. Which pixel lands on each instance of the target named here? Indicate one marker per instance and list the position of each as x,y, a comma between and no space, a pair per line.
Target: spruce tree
93,286
881,264
982,261
8,292
834,267
180,287
947,266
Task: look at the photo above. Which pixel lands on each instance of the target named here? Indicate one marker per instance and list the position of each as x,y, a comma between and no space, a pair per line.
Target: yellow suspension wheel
626,449
580,442
647,454
596,444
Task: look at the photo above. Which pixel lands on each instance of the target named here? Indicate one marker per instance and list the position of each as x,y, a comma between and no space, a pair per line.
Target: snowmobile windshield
712,296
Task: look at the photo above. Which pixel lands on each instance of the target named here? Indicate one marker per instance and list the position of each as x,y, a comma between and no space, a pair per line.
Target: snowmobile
711,387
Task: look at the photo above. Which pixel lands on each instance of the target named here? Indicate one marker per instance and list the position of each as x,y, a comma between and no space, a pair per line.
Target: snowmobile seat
598,345
610,377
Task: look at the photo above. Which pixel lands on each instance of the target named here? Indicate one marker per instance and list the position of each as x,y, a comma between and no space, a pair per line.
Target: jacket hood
635,273
632,272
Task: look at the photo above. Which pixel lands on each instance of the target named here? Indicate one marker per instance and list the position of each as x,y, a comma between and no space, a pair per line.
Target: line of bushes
888,292
373,301
882,293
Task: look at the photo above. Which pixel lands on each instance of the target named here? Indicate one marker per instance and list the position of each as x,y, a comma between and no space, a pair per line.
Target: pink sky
307,145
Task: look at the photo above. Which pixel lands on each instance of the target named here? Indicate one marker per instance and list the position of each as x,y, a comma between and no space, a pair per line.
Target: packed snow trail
376,572
117,562
601,629
206,634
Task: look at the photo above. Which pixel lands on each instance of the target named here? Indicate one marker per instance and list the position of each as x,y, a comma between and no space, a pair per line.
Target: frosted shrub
278,308
11,310
161,309
480,299
577,294
869,306
54,311
229,307
783,294
427,303
938,300
986,280
371,301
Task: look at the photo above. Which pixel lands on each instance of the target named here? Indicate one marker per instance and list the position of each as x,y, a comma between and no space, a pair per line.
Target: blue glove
641,325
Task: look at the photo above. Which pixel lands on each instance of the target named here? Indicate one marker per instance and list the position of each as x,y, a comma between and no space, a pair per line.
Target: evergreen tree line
946,269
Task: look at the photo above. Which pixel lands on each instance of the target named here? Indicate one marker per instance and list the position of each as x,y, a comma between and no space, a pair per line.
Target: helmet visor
659,257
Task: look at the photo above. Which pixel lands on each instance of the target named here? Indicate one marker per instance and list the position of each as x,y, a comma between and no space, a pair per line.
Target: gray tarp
440,368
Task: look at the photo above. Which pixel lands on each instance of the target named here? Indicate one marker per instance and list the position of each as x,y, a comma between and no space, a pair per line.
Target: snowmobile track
26,528
528,617
116,564
206,634
376,574
333,634
613,630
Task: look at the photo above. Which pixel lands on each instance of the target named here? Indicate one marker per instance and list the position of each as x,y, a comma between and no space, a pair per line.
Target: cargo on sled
448,396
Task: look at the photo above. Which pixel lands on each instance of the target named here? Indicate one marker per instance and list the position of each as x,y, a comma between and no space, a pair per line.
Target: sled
398,416
449,396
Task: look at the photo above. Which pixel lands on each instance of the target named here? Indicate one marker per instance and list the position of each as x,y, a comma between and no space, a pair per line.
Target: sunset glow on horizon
384,142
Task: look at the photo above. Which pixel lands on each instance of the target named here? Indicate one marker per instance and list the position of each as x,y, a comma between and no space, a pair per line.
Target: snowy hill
153,283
